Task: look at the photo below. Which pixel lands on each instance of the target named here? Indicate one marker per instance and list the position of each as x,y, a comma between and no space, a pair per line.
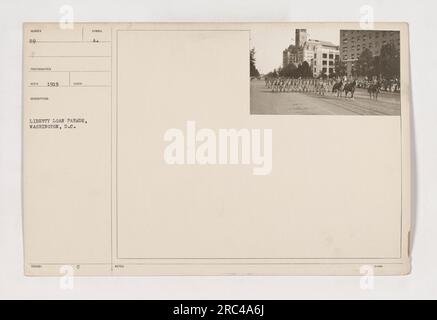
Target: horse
374,90
350,87
338,88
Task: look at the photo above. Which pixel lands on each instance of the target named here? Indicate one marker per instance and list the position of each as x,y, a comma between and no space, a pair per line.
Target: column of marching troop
320,86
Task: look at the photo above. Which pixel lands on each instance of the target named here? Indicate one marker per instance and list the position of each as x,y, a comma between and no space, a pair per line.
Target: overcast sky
269,42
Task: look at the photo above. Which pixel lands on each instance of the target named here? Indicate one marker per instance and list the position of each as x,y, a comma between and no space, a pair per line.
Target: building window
331,56
324,62
324,55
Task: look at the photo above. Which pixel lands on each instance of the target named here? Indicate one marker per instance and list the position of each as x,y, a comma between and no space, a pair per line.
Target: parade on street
311,101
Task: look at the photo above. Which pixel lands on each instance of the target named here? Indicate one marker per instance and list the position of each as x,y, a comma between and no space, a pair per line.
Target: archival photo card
216,149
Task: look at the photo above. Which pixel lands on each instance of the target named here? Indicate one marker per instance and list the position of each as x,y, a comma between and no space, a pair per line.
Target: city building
353,42
320,55
324,59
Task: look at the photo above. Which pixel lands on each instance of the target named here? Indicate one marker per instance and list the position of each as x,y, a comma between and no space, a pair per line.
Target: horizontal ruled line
69,56
70,41
88,86
69,71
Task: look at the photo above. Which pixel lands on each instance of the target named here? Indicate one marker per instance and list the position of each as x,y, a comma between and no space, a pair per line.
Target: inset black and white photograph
323,70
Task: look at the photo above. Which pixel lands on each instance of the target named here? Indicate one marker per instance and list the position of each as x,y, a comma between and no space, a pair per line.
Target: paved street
263,101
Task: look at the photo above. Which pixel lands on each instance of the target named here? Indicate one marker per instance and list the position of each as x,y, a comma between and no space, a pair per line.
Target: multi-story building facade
354,42
320,55
324,58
